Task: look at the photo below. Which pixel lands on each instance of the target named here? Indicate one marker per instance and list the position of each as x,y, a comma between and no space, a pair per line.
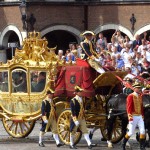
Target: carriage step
17,118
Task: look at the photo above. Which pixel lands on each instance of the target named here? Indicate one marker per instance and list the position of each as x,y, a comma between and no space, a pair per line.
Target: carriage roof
109,78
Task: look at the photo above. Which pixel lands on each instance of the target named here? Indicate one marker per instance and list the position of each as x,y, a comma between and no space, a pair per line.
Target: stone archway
10,34
142,30
114,26
69,29
6,33
61,36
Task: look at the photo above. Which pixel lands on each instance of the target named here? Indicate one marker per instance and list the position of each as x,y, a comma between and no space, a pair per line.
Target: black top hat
78,89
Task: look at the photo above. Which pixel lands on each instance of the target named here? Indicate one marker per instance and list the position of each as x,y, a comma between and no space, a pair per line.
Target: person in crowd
102,58
146,53
78,118
73,47
145,65
142,46
135,111
79,51
115,51
40,82
135,68
113,43
101,42
138,58
137,41
60,55
110,62
69,59
127,90
127,53
117,35
126,40
145,37
119,63
75,53
48,119
34,80
109,48
89,52
120,45
67,52
129,75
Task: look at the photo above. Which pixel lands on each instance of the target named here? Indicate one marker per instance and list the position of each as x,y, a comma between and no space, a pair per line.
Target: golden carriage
20,101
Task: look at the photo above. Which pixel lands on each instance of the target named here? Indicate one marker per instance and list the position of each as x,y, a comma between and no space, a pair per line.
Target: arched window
19,81
38,80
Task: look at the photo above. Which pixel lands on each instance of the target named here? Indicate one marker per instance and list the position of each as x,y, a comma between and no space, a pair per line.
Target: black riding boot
124,143
142,144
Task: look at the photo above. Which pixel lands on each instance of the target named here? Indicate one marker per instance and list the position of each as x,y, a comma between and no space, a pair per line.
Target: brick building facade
62,22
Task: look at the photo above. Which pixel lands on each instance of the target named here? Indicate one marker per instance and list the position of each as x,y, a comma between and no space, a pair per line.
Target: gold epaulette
44,101
73,100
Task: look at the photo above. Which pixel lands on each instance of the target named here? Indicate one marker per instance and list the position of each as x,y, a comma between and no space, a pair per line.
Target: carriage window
38,80
19,82
4,81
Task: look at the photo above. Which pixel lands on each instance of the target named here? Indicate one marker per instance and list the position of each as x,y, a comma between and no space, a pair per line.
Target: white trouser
137,121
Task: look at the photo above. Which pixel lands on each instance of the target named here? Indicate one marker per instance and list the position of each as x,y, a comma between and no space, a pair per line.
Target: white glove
97,60
76,123
45,121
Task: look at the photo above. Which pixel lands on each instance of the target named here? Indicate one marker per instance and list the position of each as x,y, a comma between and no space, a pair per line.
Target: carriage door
19,91
37,80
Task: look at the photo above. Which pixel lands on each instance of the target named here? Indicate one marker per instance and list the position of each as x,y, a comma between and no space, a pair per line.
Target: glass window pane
38,81
4,81
19,81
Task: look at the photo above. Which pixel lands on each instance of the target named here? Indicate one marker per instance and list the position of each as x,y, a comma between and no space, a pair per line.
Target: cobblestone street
31,142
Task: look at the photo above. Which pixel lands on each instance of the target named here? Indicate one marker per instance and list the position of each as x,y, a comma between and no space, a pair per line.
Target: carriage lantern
25,20
23,13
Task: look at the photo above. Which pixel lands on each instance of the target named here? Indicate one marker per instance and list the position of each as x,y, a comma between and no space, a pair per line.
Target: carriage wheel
60,106
18,129
117,133
63,128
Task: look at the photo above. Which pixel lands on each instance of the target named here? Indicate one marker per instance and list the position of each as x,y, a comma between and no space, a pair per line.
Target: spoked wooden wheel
60,106
117,133
18,129
63,127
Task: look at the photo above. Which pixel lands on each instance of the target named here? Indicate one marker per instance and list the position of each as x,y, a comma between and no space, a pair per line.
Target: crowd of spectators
120,54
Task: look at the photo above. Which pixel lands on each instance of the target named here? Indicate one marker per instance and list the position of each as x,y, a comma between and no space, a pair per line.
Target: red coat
134,106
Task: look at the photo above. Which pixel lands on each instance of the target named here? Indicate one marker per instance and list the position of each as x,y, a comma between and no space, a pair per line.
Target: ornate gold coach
20,101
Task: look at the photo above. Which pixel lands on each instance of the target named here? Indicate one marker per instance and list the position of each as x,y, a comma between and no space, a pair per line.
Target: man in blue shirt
119,62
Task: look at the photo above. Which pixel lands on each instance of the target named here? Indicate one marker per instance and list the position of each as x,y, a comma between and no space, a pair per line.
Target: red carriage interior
83,75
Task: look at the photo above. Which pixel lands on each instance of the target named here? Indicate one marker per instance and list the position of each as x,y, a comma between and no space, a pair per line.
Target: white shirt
50,100
147,55
79,98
